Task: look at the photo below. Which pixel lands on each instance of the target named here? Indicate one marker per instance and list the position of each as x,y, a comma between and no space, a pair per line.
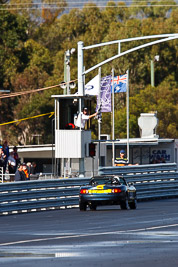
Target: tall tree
35,58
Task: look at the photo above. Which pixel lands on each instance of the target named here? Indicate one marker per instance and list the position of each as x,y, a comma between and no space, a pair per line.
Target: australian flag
120,84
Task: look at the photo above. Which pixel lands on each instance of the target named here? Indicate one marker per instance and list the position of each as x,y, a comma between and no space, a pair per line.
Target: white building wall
169,149
71,143
165,150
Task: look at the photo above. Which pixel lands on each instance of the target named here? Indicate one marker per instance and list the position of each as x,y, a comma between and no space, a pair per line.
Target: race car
107,190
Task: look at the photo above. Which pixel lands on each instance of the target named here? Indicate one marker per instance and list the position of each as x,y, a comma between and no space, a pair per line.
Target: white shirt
11,161
83,119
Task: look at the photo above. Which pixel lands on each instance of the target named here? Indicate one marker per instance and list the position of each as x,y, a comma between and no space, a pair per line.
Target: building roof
138,141
132,141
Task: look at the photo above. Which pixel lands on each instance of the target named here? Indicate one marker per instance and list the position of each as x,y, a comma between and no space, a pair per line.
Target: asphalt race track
109,236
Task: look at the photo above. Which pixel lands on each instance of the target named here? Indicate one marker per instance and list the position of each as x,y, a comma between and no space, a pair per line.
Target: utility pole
67,72
156,58
113,122
67,85
152,74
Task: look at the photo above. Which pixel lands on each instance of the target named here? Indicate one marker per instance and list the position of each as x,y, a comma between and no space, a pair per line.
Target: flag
120,84
92,87
105,95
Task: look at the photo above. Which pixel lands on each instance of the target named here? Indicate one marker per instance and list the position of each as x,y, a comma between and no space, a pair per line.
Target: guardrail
50,194
149,168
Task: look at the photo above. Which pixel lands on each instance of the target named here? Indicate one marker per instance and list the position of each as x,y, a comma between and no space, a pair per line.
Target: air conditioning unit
105,136
148,123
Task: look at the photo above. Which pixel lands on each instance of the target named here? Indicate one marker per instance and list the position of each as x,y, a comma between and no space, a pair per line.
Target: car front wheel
133,205
124,204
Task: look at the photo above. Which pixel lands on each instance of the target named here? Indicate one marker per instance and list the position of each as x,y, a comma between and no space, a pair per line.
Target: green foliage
38,56
32,47
13,34
162,99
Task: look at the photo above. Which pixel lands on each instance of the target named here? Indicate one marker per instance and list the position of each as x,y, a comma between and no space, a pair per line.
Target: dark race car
107,190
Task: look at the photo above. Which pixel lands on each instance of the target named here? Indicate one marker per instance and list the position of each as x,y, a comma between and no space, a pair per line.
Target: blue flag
120,84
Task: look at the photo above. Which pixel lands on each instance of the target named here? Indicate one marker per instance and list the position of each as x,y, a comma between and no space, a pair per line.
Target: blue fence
151,182
150,168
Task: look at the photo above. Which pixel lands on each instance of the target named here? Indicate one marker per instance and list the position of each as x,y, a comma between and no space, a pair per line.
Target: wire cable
33,91
89,7
37,116
83,2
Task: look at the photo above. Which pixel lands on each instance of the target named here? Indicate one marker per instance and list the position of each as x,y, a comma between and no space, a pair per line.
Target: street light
4,90
156,58
67,85
52,128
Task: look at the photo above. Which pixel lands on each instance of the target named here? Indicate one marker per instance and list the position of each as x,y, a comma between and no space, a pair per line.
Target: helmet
115,180
92,182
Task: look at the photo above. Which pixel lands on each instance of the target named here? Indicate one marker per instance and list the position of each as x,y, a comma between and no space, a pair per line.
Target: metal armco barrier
151,182
139,169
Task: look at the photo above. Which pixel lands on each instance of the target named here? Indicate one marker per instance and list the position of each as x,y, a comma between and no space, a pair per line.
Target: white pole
119,48
99,101
99,105
68,74
113,134
81,90
127,115
125,52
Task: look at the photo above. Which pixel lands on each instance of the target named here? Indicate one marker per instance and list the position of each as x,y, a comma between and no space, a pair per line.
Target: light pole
156,58
52,147
4,91
67,86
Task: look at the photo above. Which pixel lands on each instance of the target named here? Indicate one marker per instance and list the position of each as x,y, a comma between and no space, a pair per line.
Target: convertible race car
107,190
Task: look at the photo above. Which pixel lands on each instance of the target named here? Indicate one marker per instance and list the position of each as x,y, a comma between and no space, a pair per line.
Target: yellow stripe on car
101,186
99,191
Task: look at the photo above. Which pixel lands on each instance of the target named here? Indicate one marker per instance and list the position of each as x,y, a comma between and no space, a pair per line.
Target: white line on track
87,235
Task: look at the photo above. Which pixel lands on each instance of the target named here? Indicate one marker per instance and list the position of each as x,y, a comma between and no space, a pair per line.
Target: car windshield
106,180
120,181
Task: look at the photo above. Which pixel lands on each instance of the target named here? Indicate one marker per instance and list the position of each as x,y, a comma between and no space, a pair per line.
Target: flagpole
99,105
113,133
127,94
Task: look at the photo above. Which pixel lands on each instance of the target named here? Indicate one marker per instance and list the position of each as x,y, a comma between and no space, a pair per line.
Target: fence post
2,174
